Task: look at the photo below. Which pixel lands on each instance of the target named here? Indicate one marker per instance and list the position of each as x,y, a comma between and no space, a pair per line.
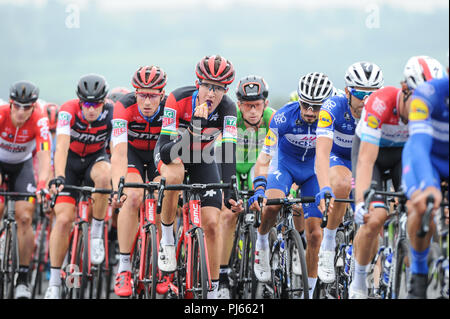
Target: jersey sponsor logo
372,121
63,119
378,106
169,117
119,127
419,110
142,135
214,117
44,129
279,118
12,148
230,128
329,104
89,138
271,138
302,140
325,119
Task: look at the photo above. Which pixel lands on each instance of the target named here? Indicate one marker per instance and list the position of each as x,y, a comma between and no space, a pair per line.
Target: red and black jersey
180,107
85,138
132,127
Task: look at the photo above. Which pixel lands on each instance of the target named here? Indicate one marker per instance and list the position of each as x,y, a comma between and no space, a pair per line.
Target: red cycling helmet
215,68
52,113
149,77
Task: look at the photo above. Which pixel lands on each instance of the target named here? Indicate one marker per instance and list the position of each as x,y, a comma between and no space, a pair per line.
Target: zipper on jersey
85,144
15,135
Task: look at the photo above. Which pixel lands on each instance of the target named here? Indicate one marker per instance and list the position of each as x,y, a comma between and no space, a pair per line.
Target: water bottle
348,258
387,266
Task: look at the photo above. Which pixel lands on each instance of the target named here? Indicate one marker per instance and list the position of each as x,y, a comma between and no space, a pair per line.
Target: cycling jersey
380,122
337,123
426,154
18,143
250,141
178,111
85,138
132,127
289,137
291,142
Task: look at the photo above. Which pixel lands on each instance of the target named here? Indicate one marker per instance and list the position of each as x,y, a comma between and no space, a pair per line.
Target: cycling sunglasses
315,107
95,105
212,87
360,95
143,95
24,106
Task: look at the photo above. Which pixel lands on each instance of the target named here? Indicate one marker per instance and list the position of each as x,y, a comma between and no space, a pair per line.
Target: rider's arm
262,164
43,148
63,128
367,156
322,161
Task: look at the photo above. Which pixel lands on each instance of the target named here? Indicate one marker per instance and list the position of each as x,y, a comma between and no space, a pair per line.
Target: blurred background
54,42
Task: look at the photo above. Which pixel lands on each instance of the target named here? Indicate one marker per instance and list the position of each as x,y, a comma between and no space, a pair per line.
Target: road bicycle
144,255
9,246
287,259
192,279
80,276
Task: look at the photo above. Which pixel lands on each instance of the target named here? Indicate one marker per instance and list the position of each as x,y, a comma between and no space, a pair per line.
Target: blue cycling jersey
290,137
426,154
337,123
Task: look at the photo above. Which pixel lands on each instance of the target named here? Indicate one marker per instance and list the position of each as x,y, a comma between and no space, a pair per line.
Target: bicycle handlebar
80,189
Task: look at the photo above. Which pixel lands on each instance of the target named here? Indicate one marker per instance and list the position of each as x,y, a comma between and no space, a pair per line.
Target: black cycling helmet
92,88
251,88
24,92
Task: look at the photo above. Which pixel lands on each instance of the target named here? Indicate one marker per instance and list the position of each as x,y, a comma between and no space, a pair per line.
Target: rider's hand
253,201
57,184
116,202
199,119
41,186
320,199
419,199
360,214
236,207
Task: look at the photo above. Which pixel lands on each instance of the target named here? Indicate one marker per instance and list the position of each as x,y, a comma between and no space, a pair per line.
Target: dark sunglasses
95,105
315,107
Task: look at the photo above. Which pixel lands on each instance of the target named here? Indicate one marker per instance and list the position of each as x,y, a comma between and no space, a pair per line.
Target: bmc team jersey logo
419,110
325,119
119,127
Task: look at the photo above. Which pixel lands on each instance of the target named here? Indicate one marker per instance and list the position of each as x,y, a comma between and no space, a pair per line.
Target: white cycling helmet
314,88
422,68
364,74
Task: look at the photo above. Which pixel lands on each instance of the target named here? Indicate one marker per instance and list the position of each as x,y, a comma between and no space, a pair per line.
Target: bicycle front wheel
151,262
37,266
199,268
296,271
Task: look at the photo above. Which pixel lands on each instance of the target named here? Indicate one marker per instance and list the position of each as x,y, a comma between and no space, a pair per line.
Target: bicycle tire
199,271
275,266
84,262
151,262
234,262
250,283
135,265
400,253
294,241
341,279
14,257
180,273
37,261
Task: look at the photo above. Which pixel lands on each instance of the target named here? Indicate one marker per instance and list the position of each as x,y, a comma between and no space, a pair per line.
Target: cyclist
24,128
194,117
380,136
335,131
425,163
84,126
136,128
287,157
253,118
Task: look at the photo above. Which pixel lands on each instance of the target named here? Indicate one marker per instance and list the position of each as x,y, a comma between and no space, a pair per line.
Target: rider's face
252,111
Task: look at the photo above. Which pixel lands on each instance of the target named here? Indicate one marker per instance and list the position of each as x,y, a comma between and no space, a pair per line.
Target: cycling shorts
138,159
388,165
78,172
302,173
20,177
